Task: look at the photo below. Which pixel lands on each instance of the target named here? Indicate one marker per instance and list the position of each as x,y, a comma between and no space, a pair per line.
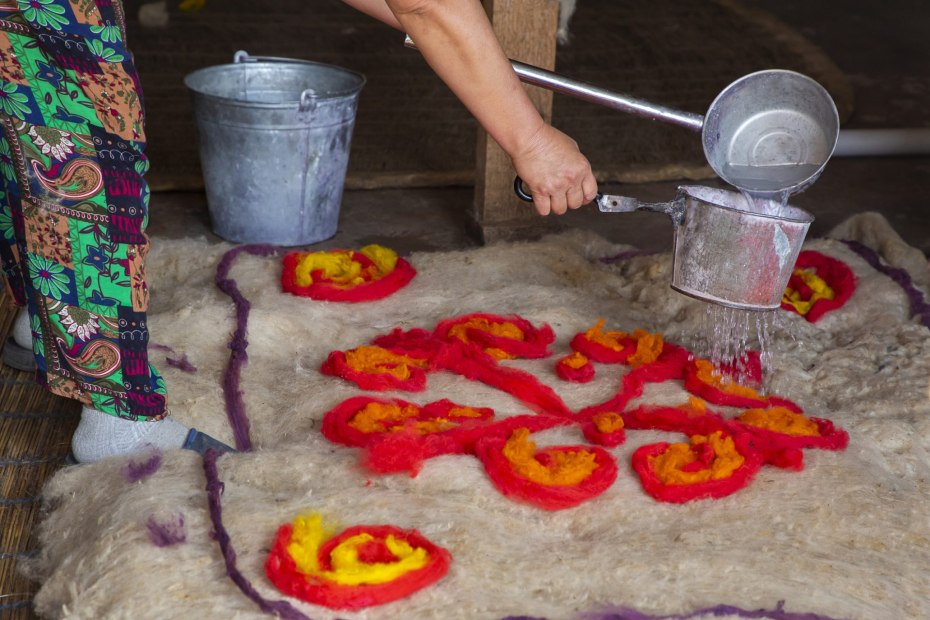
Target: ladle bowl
770,133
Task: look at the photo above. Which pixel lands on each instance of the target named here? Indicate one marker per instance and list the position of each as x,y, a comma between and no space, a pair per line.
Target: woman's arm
456,39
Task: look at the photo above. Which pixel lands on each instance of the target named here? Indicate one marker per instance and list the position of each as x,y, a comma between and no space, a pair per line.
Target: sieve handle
624,204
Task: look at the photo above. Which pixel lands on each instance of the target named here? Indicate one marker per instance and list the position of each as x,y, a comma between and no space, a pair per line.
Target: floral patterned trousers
73,201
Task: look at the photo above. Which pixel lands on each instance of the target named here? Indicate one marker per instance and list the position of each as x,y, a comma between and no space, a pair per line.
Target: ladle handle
588,92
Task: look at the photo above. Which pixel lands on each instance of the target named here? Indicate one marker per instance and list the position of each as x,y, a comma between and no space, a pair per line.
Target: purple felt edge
136,471
624,613
778,613
232,390
919,306
167,534
282,609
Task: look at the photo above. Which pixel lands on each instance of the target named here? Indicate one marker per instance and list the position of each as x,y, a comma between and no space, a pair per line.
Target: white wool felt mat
847,537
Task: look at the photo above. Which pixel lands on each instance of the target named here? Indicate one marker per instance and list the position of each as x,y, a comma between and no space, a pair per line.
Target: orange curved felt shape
552,478
502,329
501,337
561,468
704,458
575,367
779,420
608,422
648,348
377,368
708,467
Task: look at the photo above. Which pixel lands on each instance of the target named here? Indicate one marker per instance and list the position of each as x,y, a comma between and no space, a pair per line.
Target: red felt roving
680,493
567,370
406,445
336,365
490,450
326,290
533,344
283,573
838,276
472,357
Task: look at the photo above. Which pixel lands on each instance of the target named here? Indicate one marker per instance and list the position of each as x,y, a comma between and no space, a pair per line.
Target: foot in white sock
22,329
17,351
100,435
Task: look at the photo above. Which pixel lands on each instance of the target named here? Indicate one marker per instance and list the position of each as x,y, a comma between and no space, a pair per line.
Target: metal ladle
768,133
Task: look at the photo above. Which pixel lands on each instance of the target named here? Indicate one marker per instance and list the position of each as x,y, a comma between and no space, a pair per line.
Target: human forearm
377,9
456,39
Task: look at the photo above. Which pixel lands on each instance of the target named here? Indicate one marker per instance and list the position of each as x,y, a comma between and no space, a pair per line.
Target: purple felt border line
282,609
919,306
232,389
778,613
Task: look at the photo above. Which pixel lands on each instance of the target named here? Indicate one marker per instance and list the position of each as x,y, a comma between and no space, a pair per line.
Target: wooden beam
526,30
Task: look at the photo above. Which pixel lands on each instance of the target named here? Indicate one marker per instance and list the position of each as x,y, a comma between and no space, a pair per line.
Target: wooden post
526,30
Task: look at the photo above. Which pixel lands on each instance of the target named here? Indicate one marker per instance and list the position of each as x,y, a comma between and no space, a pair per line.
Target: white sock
100,435
22,329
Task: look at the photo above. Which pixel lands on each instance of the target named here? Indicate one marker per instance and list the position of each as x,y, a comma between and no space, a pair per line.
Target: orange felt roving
722,456
374,272
501,337
575,367
710,466
377,368
551,478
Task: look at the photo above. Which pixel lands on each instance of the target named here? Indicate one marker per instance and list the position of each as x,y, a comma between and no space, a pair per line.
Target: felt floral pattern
359,567
721,455
371,273
818,285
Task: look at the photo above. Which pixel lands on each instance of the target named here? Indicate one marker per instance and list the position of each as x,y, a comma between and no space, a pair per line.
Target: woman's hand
555,172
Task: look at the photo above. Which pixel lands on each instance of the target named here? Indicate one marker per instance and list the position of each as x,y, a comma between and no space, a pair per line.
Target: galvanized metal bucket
723,253
274,135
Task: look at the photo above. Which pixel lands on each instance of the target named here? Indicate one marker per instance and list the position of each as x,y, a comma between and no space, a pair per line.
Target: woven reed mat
411,131
35,434
846,537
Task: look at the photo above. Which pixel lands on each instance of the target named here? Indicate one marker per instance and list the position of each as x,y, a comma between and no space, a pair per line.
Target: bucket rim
794,215
354,90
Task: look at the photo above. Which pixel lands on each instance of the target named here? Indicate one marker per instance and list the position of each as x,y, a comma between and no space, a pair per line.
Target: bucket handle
308,98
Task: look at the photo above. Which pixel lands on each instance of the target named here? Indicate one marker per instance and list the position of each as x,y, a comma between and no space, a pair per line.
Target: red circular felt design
327,290
838,276
680,493
534,344
490,451
284,574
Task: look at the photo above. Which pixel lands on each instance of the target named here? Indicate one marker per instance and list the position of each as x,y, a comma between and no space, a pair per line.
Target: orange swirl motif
79,179
99,359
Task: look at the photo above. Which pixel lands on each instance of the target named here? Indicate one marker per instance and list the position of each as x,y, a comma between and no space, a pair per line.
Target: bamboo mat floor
35,435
